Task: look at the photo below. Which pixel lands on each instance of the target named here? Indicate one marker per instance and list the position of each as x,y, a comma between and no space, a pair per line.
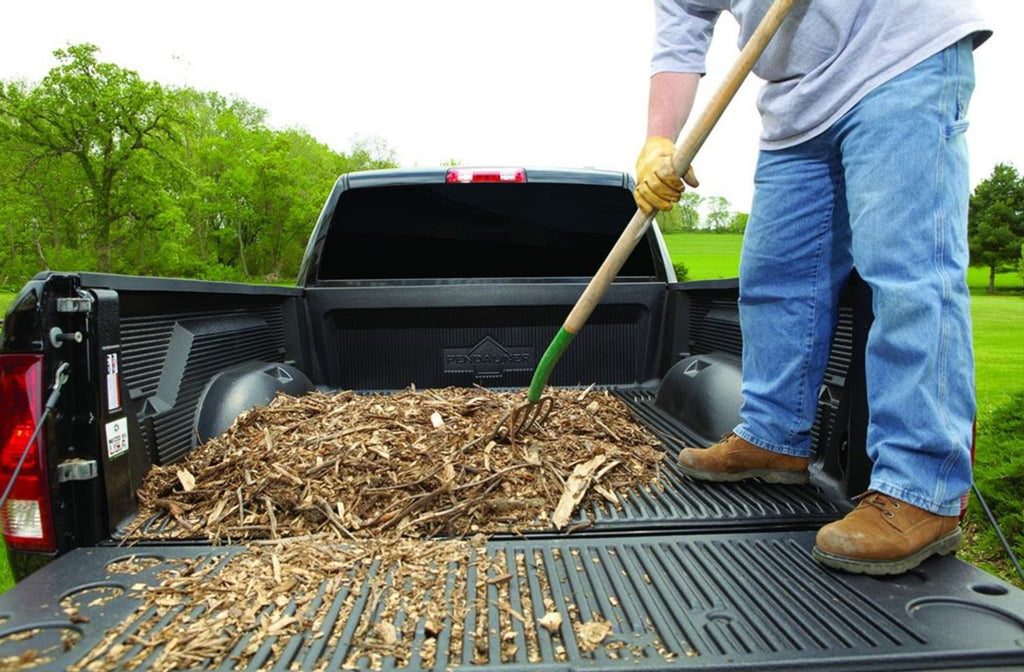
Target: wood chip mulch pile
341,500
416,463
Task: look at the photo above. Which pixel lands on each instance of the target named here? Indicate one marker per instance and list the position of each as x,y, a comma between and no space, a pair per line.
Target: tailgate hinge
75,304
77,470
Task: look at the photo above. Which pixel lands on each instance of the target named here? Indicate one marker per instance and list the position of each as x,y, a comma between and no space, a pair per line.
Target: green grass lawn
707,256
712,256
999,349
1006,283
5,301
6,581
999,450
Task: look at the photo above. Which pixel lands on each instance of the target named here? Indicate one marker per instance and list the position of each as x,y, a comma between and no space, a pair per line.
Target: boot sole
941,546
783,476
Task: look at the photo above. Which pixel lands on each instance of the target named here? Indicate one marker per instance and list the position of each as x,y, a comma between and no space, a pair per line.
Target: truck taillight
468,175
27,522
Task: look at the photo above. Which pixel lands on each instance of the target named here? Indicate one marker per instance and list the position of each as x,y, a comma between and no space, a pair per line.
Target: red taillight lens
468,175
27,523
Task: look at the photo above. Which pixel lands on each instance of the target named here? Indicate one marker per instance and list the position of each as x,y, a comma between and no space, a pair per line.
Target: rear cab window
480,231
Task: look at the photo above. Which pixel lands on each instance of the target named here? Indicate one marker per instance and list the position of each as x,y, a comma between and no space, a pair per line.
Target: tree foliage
101,170
995,227
683,216
719,213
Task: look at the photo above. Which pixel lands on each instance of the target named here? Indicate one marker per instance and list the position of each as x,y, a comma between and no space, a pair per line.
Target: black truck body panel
690,574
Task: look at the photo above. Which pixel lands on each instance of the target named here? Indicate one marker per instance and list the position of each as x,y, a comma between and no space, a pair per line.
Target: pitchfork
538,406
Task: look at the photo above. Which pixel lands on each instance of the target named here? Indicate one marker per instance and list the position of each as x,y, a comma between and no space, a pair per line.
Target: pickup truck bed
709,576
703,576
698,575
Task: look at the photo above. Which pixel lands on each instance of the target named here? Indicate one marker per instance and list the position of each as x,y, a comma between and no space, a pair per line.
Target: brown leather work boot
885,536
733,459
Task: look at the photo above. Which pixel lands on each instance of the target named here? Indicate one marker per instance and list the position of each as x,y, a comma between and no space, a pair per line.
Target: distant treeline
101,170
685,216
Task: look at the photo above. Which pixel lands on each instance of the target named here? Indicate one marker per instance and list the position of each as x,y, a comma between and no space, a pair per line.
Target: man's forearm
671,99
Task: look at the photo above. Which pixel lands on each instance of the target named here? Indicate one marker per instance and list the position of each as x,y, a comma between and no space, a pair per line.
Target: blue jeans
884,190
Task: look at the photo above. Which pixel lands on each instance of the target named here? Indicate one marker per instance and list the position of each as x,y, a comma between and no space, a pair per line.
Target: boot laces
880,501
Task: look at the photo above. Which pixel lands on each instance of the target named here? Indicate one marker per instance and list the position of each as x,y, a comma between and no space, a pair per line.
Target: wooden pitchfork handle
637,227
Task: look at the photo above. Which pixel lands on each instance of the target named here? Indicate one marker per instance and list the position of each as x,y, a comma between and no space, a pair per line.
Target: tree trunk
103,252
991,280
39,247
241,249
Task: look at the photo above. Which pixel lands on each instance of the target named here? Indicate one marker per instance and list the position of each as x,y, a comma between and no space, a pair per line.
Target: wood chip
187,480
589,635
332,491
386,632
551,621
358,466
575,489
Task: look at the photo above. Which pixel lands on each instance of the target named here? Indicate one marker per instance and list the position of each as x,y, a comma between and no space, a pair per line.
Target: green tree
669,220
41,205
370,152
100,170
105,118
995,227
738,223
689,213
683,216
719,213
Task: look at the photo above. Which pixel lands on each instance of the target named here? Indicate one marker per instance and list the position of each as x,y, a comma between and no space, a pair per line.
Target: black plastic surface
386,338
241,388
702,394
169,358
716,602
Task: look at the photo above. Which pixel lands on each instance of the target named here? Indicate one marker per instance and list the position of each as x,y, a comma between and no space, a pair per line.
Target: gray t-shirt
827,55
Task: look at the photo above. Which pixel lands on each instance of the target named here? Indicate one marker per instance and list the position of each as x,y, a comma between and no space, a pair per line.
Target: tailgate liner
722,602
682,505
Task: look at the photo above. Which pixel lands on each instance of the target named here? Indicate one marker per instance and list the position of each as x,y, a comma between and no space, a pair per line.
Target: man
863,164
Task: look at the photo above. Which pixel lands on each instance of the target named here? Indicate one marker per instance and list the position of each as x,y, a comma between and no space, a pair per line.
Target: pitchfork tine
526,417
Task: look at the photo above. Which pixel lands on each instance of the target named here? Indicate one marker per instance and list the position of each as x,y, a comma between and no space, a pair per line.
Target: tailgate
701,601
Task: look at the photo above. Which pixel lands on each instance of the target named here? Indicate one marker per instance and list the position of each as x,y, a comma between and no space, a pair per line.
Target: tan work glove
657,185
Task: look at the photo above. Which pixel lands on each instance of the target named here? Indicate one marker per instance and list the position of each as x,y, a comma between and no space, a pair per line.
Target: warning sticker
117,438
113,392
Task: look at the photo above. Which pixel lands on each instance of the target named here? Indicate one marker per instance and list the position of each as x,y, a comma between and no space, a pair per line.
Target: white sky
543,83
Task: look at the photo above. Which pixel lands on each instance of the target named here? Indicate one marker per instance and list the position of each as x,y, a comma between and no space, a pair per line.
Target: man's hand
658,186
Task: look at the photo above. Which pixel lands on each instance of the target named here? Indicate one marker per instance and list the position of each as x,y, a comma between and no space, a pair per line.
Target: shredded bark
416,463
272,595
365,519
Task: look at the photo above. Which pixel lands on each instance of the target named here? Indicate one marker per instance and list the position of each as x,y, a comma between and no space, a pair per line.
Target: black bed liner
695,576
680,505
718,601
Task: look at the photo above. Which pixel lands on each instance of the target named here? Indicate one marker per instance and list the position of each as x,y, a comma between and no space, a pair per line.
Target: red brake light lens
471,175
27,523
